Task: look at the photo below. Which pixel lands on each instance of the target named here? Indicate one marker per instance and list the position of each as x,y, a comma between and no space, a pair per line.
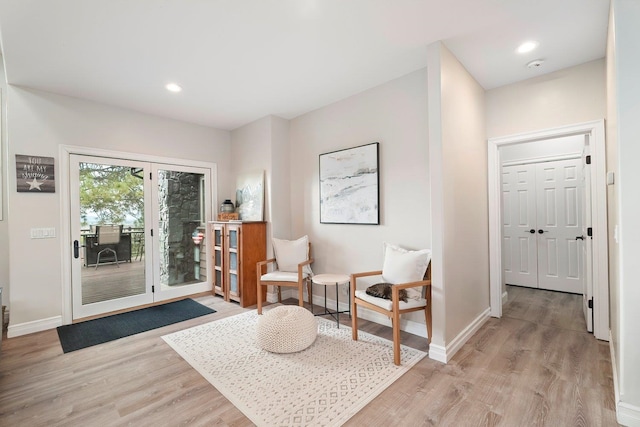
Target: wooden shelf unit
236,248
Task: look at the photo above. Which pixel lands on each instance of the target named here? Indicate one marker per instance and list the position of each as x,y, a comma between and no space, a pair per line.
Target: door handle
76,249
540,231
532,231
579,237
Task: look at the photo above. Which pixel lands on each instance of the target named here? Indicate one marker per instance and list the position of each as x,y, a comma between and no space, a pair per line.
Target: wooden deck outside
111,281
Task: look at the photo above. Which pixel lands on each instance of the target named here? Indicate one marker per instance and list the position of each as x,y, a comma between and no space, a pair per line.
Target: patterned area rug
326,384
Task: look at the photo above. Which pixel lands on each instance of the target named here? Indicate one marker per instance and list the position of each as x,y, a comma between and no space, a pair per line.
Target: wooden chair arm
412,284
261,264
307,262
365,274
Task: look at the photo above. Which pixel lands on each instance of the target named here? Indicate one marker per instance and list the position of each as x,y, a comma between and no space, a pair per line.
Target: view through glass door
181,201
139,233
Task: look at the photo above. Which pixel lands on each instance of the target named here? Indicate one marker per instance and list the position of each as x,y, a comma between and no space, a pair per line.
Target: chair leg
300,296
279,294
427,315
396,338
354,322
259,299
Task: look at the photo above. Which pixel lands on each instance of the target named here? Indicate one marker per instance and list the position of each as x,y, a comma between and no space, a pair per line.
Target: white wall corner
444,354
626,414
34,326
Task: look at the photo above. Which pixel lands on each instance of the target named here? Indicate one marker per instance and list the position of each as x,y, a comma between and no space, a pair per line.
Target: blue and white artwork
349,182
250,196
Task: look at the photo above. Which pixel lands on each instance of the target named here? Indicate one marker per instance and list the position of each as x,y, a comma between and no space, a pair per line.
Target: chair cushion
405,266
281,276
290,253
387,304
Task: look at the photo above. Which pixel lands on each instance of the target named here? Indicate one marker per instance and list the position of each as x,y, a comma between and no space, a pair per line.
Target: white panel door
519,225
559,223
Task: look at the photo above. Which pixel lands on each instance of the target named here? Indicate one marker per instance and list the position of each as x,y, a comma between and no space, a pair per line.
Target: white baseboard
626,414
446,353
436,352
34,326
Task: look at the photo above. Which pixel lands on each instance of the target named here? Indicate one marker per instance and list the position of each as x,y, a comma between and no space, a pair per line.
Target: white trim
505,297
452,348
595,132
626,414
34,326
541,159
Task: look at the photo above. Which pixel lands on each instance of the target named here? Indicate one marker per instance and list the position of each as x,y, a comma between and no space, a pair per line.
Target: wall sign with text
35,174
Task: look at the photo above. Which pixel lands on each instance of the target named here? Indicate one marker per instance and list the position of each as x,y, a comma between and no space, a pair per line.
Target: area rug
97,331
324,385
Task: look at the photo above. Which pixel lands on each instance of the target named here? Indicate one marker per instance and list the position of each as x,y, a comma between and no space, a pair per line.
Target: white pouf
286,329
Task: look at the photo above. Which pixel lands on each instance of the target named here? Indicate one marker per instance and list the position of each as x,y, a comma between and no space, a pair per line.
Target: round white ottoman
286,329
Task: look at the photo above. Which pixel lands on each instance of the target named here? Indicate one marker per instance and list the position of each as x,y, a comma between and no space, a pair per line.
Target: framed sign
35,174
349,186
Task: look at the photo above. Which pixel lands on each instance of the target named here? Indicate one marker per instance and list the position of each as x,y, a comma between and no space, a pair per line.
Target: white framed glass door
138,233
181,202
110,200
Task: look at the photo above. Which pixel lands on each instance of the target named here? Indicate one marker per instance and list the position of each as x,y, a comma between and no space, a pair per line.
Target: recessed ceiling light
172,87
527,47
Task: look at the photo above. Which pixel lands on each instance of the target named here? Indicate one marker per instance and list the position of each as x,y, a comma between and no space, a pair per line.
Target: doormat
97,331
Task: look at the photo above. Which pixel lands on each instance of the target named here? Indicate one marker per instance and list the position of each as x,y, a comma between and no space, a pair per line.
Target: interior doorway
542,223
593,135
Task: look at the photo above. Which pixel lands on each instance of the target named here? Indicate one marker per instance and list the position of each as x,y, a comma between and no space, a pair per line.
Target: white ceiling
241,60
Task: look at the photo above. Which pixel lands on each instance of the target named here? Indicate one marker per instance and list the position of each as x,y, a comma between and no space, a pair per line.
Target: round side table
332,280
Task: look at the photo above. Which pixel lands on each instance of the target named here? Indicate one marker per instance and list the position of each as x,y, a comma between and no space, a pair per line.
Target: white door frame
596,138
66,244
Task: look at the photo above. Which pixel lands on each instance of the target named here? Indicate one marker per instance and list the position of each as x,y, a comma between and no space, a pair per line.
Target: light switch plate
43,233
610,178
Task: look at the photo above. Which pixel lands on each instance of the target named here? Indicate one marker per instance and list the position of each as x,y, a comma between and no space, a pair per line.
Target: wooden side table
331,280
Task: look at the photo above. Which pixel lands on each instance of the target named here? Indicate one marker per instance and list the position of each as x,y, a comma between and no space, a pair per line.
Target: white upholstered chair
290,267
405,270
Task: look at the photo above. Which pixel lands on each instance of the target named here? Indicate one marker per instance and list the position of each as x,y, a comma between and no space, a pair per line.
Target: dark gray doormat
97,331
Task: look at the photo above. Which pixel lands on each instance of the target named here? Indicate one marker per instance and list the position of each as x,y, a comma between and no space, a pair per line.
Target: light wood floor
534,367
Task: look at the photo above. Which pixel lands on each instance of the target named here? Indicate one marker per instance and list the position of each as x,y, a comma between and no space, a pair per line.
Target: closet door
520,258
559,221
542,216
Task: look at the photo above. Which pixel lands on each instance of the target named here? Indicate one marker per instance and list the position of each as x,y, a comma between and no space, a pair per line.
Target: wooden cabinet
236,249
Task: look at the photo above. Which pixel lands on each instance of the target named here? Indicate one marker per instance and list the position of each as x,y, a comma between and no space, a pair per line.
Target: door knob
579,237
532,231
540,231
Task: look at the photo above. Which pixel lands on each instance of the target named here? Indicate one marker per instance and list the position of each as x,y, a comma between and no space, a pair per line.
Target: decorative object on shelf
228,216
227,206
250,196
349,186
35,174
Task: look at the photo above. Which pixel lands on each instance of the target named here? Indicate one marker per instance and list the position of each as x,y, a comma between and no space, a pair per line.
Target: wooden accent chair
419,298
291,267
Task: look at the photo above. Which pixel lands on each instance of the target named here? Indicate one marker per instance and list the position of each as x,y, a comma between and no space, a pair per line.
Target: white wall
627,106
38,123
460,199
264,145
569,96
395,115
4,228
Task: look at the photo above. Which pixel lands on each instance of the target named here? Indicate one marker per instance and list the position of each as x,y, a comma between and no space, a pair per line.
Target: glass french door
138,233
180,200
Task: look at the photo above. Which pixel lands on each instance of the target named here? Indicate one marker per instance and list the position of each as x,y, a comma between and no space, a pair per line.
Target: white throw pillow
290,253
404,266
